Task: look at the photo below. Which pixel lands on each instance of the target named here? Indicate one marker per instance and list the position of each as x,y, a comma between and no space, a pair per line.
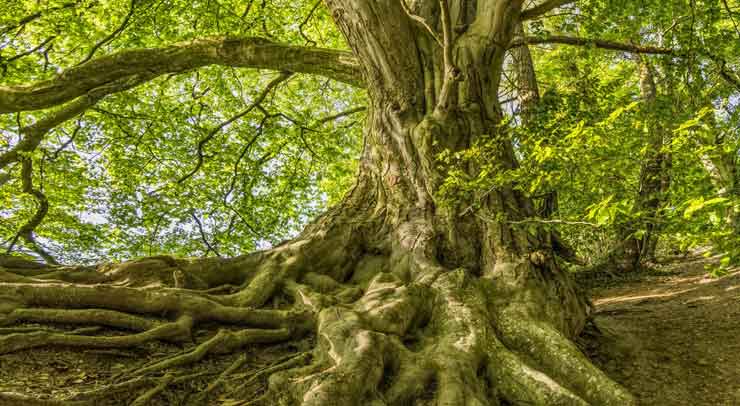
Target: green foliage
111,176
590,133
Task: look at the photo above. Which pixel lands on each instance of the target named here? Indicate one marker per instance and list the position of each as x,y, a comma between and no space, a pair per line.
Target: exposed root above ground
388,329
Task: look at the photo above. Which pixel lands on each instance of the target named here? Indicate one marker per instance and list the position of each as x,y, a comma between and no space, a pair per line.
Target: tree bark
721,164
145,64
408,298
498,295
528,97
639,237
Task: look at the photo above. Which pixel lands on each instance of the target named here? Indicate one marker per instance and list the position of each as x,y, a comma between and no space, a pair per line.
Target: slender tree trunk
721,165
640,237
529,98
528,95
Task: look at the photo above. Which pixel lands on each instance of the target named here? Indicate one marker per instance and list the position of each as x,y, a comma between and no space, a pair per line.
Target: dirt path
672,336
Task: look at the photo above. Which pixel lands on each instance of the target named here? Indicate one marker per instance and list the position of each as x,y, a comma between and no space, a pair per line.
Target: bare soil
53,374
670,335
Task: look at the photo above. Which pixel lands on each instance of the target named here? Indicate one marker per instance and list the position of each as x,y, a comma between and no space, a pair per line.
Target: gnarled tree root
385,335
459,351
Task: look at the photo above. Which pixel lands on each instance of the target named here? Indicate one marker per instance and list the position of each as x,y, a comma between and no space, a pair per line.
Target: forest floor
671,335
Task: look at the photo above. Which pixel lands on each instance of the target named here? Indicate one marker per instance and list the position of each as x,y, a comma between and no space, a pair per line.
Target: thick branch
27,230
34,134
543,8
243,52
598,43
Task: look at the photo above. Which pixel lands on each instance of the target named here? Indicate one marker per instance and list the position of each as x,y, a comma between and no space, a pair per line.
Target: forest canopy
120,177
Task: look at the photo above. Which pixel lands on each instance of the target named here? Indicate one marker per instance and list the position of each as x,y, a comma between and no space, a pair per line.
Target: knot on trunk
538,257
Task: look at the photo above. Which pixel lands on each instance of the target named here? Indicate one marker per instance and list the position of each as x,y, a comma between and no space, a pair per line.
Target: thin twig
33,17
148,395
62,147
112,35
203,235
729,12
30,51
222,377
305,21
260,98
556,221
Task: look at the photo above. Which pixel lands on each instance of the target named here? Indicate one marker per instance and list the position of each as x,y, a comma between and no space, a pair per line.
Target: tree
528,98
406,293
639,238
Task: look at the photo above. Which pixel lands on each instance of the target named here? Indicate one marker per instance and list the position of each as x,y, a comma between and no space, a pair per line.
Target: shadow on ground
672,336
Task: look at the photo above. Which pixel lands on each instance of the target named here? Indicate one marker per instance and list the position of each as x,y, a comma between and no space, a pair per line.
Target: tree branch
729,13
555,221
260,98
34,134
33,17
450,70
27,230
543,8
255,53
341,114
305,21
419,20
598,43
29,52
108,38
726,73
203,234
54,155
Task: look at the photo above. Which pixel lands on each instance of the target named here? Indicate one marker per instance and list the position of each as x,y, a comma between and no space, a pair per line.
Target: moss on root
394,329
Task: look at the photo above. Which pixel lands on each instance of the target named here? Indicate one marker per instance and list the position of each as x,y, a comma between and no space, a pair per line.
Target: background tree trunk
640,237
528,97
720,163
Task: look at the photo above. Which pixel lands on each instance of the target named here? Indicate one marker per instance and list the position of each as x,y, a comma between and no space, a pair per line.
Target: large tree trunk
408,298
